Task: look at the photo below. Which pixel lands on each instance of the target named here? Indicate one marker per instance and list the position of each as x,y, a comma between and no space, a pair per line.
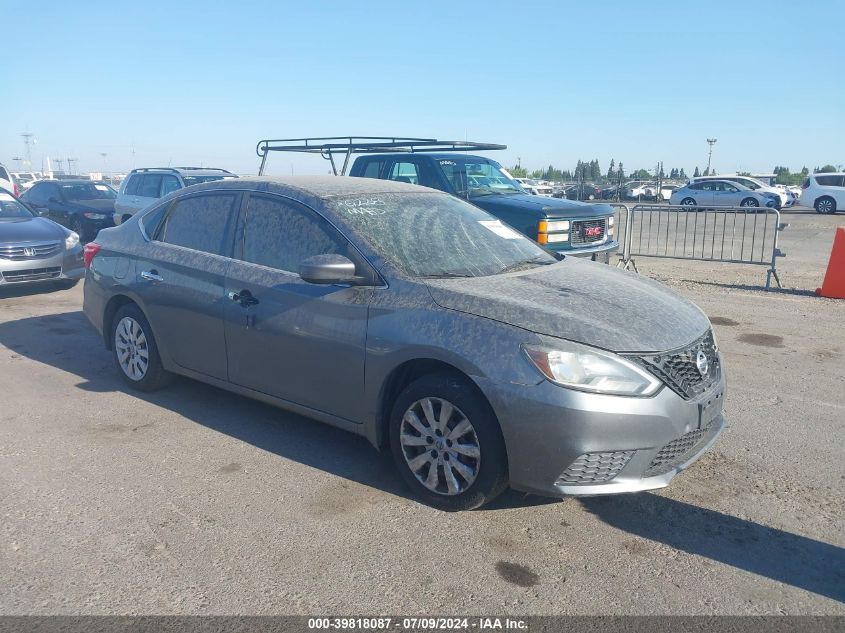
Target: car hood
580,301
97,206
30,230
551,207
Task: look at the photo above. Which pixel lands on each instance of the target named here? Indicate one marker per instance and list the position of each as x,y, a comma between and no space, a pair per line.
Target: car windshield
195,180
85,191
437,235
475,177
11,209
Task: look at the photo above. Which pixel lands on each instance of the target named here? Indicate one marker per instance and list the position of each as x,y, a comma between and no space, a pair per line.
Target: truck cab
564,226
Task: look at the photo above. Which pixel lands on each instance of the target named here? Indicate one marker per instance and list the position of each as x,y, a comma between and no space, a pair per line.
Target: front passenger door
286,337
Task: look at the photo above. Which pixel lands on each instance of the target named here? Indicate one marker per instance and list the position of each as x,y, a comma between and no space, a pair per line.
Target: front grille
22,252
587,231
676,452
592,468
679,370
32,274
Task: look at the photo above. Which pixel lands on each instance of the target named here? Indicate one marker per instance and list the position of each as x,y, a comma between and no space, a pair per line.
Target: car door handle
151,275
244,298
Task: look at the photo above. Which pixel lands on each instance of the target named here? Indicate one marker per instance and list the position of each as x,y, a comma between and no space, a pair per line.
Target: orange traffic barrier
833,285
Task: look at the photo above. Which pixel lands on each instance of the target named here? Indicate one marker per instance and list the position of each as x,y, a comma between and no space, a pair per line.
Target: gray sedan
417,320
722,193
34,249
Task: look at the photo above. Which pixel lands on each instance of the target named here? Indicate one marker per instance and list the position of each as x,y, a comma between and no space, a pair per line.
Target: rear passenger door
180,280
286,337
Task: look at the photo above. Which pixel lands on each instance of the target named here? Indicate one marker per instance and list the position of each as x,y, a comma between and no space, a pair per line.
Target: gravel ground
196,501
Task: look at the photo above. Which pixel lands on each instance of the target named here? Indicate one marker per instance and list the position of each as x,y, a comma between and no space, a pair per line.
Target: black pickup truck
573,228
565,226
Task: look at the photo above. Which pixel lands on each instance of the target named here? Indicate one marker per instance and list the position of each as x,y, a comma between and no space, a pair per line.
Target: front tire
689,202
825,205
135,350
749,202
447,443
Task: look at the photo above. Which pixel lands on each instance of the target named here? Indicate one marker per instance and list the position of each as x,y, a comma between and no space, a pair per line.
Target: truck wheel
447,443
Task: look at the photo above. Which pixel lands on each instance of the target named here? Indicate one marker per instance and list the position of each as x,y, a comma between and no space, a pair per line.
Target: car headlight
589,369
71,240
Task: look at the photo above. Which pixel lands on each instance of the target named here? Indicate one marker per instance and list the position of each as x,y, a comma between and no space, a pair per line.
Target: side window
829,181
36,195
373,169
169,184
152,219
132,185
696,186
150,186
200,223
280,235
51,192
729,187
405,172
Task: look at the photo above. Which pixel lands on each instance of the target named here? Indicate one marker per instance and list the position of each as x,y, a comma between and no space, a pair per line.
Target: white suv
824,192
144,186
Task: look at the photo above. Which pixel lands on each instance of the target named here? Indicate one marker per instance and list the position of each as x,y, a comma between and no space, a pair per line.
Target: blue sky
200,82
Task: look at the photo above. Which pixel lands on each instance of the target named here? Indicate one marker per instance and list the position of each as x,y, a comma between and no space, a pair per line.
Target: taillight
17,190
89,252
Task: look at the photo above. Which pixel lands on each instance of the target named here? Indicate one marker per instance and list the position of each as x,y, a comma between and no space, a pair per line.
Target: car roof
73,181
829,173
185,171
320,187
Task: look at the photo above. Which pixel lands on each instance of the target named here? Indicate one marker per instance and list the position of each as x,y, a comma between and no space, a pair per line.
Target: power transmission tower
28,142
71,163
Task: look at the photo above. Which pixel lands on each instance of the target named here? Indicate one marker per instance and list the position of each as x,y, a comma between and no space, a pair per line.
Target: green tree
610,172
518,171
620,172
682,175
595,171
696,173
827,169
641,174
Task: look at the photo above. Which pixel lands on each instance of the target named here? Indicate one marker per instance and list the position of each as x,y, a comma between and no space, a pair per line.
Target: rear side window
150,186
829,181
280,235
169,184
152,219
372,169
132,185
405,172
200,223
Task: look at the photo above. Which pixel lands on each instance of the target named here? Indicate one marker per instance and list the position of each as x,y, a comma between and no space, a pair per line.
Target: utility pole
711,142
71,162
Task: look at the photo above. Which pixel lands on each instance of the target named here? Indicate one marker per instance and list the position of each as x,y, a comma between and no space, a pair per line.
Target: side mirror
327,269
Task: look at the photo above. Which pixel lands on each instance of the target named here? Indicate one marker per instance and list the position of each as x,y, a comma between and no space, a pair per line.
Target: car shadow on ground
774,290
775,554
67,342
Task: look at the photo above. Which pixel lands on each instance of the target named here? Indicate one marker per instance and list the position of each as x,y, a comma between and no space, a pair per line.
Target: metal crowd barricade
737,235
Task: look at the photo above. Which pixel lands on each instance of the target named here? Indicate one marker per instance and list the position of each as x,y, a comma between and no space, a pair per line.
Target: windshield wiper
525,262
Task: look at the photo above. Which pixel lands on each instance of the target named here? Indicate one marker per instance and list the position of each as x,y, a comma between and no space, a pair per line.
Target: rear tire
456,463
135,351
825,205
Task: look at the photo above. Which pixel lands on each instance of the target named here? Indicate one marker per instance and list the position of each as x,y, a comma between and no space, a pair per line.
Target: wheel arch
114,304
402,376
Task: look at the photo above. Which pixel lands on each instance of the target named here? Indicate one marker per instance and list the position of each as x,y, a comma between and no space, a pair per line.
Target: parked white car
7,182
25,179
535,187
754,184
824,192
639,189
722,193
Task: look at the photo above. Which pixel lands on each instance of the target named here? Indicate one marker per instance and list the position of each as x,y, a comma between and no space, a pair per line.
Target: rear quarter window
829,181
131,188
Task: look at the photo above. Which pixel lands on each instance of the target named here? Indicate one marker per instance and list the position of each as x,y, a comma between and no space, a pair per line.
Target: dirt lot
196,501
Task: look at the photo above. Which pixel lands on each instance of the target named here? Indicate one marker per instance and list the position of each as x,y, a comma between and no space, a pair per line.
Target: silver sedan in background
721,193
34,249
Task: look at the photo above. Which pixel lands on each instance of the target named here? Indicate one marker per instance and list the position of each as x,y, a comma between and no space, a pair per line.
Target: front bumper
586,251
67,264
563,442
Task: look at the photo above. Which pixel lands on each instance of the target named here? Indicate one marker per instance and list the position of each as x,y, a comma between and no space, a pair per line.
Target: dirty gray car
419,321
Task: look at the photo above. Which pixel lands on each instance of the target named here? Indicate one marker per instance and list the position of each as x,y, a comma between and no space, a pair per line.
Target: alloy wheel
825,205
130,343
440,446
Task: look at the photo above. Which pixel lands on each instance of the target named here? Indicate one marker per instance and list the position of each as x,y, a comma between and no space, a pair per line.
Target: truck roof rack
328,146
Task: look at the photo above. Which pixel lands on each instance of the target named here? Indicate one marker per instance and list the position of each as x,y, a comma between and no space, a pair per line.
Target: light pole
711,142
